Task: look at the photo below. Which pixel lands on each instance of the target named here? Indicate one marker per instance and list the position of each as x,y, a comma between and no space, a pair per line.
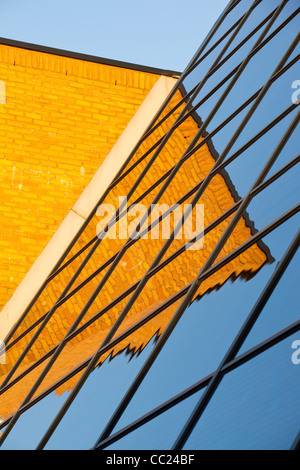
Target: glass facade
165,338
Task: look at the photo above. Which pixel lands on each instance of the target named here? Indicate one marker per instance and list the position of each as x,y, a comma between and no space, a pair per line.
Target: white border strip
70,226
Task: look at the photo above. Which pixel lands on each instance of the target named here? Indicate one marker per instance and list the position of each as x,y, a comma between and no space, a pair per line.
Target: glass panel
231,18
257,16
202,335
273,103
276,199
260,12
289,8
221,72
277,99
159,433
256,406
36,419
96,401
281,310
244,170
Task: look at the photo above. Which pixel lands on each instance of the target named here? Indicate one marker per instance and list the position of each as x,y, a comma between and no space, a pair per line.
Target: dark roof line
87,57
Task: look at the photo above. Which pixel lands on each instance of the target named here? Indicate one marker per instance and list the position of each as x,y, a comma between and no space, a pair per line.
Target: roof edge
88,57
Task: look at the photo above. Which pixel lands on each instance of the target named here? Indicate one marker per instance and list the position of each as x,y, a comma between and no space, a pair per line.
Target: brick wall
60,118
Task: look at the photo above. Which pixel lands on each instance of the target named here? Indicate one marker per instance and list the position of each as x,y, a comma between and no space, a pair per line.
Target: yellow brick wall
60,119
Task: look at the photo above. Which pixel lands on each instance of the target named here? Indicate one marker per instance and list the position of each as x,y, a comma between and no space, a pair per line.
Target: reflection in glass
281,310
255,406
201,338
161,432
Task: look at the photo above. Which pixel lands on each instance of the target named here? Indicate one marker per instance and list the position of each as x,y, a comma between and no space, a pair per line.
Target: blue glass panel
199,71
96,402
204,333
289,8
159,433
88,414
260,12
281,310
276,199
244,170
256,406
259,69
223,71
256,17
234,15
277,100
36,419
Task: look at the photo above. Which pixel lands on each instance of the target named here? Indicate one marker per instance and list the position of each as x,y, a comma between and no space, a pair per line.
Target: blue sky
160,33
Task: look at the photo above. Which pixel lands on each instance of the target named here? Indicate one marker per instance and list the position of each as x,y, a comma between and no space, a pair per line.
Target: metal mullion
254,239
211,226
296,443
199,385
241,336
211,257
261,347
253,52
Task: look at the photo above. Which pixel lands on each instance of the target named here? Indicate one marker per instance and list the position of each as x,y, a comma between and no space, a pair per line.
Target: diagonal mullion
209,136
169,259
195,284
212,256
254,239
200,384
237,343
97,243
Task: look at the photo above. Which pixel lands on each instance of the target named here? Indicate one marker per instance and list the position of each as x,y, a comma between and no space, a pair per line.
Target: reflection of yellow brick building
65,133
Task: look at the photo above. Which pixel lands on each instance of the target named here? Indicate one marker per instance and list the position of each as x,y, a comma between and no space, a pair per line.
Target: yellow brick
54,124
